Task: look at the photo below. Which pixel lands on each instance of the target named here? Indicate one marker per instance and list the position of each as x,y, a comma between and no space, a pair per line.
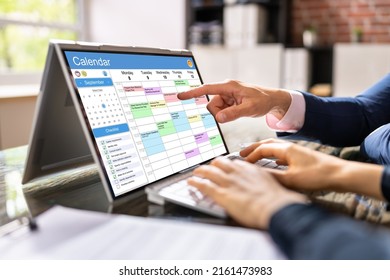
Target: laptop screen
142,131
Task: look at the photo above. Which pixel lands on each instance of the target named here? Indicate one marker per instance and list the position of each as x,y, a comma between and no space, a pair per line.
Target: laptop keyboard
188,196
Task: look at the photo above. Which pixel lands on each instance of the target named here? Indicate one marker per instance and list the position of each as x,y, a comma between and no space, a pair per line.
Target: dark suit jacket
348,121
309,232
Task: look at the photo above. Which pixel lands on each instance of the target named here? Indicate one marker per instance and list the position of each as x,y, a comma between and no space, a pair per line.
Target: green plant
357,30
311,28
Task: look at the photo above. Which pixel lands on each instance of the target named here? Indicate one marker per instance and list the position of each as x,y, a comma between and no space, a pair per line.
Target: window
26,26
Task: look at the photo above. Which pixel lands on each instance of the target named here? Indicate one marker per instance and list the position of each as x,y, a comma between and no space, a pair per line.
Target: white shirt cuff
294,118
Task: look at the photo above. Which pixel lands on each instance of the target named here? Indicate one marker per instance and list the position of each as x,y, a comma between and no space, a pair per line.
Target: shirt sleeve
294,118
345,121
310,232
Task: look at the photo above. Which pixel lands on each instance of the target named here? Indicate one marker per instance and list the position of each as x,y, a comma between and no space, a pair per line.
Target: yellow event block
157,104
195,118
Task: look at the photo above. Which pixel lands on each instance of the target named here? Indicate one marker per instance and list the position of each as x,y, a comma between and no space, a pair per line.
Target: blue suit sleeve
346,121
309,232
376,146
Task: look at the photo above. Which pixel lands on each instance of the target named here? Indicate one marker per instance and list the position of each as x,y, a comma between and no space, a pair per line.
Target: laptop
117,106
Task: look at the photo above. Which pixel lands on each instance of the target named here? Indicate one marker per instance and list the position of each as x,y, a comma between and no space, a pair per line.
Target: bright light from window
26,26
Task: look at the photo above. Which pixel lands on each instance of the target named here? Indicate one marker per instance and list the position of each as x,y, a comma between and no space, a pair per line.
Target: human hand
247,192
307,169
234,99
312,170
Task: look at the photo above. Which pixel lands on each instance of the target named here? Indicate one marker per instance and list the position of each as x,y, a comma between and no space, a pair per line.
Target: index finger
207,89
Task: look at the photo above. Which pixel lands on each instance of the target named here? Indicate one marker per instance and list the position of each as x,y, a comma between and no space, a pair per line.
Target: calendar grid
142,130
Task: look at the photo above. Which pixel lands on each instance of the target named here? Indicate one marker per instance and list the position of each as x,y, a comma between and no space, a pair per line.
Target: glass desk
81,188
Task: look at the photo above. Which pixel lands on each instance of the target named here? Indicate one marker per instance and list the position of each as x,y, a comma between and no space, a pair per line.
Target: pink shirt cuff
293,119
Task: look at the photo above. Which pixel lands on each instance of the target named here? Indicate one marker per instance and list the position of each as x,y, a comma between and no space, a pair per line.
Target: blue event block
208,120
180,120
188,101
152,142
154,150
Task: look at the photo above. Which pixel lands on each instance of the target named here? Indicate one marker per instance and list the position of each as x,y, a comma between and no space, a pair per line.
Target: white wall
215,63
358,66
296,69
149,23
260,65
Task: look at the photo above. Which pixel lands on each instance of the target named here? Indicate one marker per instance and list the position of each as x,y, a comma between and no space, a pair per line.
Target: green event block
181,83
141,110
166,127
215,140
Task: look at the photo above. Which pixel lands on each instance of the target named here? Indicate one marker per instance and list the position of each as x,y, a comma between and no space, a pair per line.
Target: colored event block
158,104
141,110
195,118
171,97
180,121
181,83
153,91
201,137
149,137
215,140
166,127
192,153
201,100
155,150
188,101
208,120
132,88
152,142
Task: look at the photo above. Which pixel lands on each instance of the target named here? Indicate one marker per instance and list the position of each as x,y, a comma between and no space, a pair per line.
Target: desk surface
81,188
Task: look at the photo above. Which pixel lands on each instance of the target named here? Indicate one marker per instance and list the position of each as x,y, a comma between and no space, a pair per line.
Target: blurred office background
328,47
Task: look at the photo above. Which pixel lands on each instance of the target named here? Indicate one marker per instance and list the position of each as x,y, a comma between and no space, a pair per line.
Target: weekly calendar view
142,130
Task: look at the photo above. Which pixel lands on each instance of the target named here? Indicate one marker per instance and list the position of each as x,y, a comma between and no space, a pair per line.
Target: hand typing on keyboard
264,162
248,193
